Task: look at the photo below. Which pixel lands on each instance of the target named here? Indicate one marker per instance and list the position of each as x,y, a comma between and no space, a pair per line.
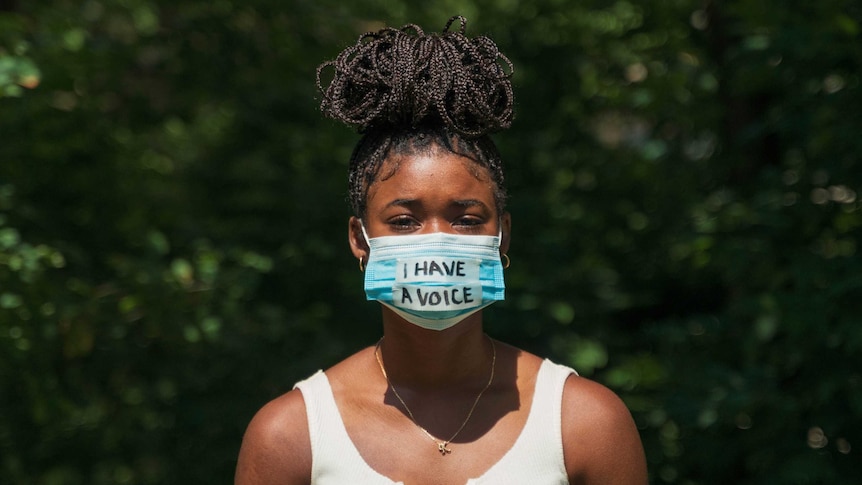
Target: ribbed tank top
536,458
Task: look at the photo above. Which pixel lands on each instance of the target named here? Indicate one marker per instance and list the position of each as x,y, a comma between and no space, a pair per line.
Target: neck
429,359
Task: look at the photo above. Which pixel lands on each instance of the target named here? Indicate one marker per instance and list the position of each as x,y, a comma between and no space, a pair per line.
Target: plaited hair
410,92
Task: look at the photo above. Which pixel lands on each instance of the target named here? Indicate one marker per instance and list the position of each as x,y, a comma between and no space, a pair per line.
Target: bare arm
600,440
276,448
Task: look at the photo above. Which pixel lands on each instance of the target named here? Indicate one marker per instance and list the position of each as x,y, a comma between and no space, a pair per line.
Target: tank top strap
335,460
537,455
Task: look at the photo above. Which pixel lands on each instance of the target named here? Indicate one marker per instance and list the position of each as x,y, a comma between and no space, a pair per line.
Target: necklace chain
442,445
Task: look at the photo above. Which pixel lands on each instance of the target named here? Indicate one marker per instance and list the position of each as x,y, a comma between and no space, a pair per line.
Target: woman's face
436,191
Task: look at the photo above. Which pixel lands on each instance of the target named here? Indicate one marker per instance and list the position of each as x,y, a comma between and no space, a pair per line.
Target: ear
506,230
358,245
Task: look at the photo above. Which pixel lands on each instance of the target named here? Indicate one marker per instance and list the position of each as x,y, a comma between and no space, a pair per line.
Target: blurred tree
684,181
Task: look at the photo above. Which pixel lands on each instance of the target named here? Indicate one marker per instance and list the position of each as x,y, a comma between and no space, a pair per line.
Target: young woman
436,400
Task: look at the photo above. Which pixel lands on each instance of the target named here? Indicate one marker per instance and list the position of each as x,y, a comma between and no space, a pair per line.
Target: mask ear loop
504,258
364,234
367,242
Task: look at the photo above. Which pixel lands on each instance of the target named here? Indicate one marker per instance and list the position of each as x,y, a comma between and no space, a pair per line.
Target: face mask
434,280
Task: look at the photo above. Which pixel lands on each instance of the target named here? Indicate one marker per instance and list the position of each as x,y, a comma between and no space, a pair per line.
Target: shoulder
600,440
276,447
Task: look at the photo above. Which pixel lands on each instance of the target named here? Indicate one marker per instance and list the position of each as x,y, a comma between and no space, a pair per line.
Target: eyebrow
458,202
470,203
402,203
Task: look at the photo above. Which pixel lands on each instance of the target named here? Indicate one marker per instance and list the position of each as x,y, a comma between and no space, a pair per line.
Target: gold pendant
441,447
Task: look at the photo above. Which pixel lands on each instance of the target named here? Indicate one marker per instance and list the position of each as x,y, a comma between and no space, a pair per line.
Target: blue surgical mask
434,280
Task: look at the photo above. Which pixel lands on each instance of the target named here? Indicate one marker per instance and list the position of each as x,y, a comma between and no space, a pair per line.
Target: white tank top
536,458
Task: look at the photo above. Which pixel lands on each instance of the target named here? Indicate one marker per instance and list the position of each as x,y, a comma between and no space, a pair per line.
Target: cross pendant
441,447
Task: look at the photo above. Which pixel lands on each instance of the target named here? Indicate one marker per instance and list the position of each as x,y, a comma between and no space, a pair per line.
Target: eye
402,223
469,222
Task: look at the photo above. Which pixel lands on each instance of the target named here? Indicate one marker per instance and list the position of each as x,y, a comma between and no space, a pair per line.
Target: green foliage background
685,180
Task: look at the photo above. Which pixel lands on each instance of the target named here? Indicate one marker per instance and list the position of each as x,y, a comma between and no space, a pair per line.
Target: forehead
433,174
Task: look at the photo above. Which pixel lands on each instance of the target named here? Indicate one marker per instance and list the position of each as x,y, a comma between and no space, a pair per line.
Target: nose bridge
437,223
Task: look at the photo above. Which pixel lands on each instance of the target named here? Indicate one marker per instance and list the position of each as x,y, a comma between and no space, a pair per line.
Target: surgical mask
434,280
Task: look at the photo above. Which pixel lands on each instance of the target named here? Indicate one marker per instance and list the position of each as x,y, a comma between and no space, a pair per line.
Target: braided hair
409,92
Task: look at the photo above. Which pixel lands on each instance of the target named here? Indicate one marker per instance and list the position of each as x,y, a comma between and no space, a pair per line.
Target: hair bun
400,78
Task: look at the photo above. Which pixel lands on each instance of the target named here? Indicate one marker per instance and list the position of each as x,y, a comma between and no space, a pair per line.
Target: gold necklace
442,445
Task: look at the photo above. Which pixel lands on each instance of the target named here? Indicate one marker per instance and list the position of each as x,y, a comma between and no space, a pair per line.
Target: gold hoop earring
506,260
362,264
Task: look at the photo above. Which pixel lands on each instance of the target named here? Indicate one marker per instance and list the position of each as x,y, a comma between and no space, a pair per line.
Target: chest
392,444
513,438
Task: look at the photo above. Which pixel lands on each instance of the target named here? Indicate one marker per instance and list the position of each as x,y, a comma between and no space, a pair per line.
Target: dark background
684,177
